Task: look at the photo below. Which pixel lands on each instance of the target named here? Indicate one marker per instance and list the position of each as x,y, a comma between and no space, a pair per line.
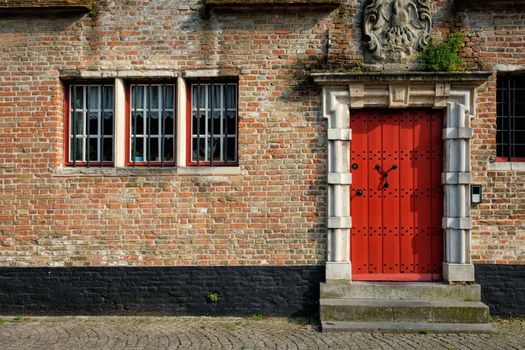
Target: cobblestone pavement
229,333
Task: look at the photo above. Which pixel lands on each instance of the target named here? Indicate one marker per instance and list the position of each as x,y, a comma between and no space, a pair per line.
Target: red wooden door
396,196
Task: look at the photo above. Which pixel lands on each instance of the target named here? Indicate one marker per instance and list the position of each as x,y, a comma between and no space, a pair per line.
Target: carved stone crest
395,29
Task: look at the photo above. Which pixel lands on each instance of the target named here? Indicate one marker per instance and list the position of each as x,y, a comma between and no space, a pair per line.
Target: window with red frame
510,122
151,125
212,123
89,124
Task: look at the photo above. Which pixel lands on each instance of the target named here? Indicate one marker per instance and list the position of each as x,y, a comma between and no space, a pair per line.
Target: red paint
396,233
188,125
66,125
511,159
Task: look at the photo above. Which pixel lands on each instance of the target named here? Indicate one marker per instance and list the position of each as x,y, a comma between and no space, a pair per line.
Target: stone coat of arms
395,29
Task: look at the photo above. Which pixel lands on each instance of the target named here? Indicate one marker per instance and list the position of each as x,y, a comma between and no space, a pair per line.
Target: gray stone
395,30
400,291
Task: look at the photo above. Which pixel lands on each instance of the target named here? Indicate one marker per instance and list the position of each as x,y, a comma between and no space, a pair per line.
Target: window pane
195,123
519,124
93,97
153,97
231,151
76,149
231,96
230,125
93,149
169,154
137,121
216,122
108,123
78,123
78,96
153,150
519,109
108,149
216,96
502,123
137,149
169,96
198,152
500,150
138,92
215,149
108,98
154,123
200,96
519,151
169,126
93,123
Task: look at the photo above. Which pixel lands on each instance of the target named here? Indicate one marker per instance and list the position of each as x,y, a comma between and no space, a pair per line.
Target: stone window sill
506,166
142,171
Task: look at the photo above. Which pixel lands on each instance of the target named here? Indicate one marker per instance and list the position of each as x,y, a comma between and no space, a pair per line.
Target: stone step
400,291
403,311
407,327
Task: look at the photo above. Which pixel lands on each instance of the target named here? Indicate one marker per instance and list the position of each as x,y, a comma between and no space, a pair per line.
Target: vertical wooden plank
390,198
422,185
375,212
359,204
406,192
436,194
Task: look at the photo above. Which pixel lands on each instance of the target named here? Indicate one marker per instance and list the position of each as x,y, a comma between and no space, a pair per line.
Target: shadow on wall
37,23
502,288
221,290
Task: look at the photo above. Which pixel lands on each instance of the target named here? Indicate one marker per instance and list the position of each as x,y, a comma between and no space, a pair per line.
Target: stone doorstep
407,327
403,311
400,291
402,306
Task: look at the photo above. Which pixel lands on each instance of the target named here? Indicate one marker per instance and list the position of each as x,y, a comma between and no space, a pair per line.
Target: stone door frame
452,92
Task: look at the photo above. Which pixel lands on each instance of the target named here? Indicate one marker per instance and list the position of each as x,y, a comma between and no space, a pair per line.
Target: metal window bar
225,134
88,124
512,111
212,122
134,116
198,124
101,118
148,121
113,129
162,142
74,126
235,106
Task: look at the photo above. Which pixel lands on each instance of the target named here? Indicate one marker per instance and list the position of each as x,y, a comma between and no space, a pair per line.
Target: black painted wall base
286,290
270,290
502,289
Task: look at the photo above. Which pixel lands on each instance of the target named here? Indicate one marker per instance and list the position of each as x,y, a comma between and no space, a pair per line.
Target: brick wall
495,42
274,212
